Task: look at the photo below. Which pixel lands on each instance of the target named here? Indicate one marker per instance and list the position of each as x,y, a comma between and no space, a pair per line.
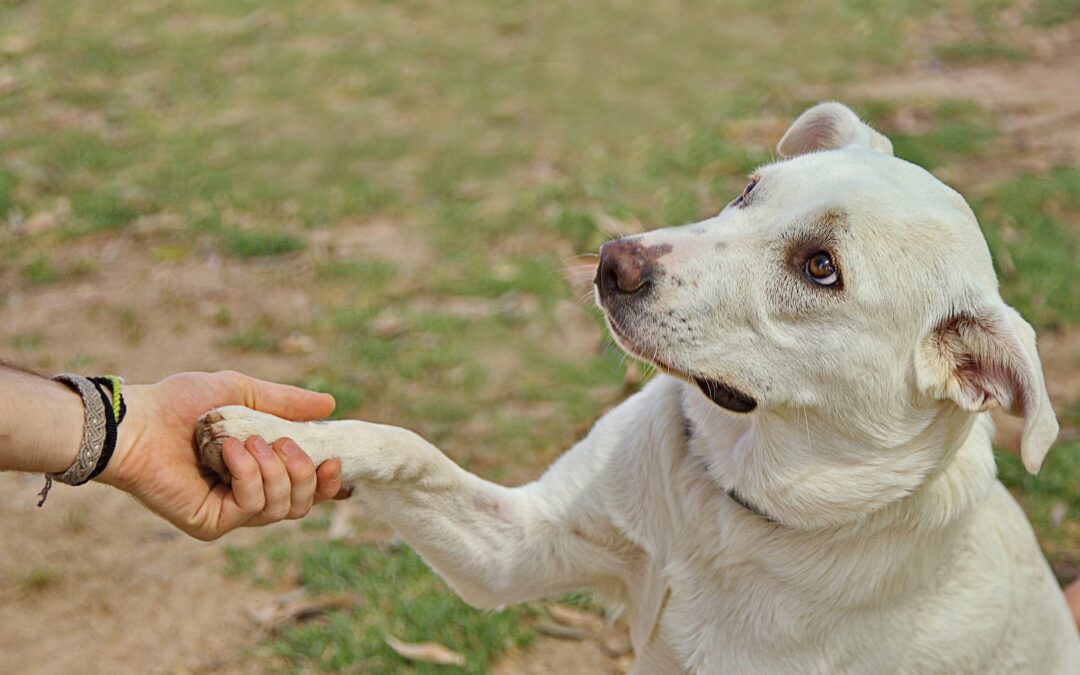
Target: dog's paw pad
210,434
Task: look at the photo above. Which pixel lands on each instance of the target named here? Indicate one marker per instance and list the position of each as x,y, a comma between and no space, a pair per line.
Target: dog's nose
625,266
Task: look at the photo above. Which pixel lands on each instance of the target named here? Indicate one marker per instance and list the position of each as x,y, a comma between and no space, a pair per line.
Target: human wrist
124,465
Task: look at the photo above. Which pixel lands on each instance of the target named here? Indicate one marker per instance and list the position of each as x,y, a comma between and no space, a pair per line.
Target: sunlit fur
889,547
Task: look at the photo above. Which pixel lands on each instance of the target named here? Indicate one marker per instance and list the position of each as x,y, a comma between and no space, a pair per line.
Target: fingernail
290,450
260,447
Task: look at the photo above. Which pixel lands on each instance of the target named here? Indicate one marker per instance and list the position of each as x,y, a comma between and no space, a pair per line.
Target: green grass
1057,482
40,271
26,342
365,274
261,336
99,210
1029,223
8,182
1053,12
956,130
973,52
348,392
244,244
399,597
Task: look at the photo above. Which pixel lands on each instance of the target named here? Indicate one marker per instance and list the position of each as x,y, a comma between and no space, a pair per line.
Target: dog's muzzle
626,273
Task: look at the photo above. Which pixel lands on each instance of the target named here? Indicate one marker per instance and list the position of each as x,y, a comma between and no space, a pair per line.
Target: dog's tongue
725,396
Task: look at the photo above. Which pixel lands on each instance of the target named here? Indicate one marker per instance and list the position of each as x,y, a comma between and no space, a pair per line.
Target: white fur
894,549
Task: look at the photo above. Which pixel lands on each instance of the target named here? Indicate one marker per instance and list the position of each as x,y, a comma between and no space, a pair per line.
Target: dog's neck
800,470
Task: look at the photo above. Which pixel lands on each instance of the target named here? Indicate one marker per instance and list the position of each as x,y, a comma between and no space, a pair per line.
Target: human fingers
328,482
275,481
228,507
247,480
282,400
301,472
1072,596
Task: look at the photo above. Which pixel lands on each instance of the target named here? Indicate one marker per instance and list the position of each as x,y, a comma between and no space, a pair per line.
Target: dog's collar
749,506
688,431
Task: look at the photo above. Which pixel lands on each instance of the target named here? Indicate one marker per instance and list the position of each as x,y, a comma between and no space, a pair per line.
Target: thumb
282,400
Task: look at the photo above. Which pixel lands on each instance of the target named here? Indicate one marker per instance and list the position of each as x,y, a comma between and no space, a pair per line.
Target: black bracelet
110,436
109,390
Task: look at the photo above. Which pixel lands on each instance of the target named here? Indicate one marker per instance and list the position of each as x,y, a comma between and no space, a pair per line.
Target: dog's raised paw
210,435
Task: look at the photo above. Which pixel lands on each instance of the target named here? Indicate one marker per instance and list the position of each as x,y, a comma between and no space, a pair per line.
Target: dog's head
843,281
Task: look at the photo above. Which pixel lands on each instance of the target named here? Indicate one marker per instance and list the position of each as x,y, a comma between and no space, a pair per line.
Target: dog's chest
740,618
745,595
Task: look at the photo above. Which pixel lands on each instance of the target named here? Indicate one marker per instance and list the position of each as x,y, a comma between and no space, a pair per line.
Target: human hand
156,458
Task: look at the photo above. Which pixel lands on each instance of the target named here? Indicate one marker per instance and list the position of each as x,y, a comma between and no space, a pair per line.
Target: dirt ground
105,587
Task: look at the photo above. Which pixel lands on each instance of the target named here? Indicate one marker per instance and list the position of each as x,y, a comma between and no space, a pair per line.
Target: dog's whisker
806,421
579,277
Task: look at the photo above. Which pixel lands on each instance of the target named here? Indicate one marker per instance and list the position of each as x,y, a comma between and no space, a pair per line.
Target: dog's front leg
493,545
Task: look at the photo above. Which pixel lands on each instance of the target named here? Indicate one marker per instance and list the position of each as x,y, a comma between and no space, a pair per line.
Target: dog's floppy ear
828,126
986,358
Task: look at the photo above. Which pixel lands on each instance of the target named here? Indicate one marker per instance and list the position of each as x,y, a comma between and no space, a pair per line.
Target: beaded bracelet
102,413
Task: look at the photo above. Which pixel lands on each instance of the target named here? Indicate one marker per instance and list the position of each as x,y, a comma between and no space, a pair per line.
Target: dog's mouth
721,394
725,396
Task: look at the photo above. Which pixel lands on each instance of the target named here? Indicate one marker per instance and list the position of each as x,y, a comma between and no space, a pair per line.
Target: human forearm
41,422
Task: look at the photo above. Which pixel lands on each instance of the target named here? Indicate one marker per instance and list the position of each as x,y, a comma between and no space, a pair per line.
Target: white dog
810,487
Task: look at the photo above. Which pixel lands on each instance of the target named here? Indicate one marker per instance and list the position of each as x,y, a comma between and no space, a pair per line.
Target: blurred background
390,201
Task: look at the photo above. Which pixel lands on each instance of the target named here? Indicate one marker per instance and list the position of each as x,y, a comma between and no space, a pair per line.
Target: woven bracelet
102,412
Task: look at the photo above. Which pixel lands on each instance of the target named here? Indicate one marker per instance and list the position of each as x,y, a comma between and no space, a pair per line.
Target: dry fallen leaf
428,652
616,644
388,325
296,343
296,606
559,631
568,616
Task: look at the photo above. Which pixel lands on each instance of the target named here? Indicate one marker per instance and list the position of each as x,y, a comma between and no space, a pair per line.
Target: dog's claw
210,444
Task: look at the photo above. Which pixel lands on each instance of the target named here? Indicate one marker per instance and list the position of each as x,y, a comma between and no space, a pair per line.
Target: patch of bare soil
549,655
93,583
390,240
1036,102
158,317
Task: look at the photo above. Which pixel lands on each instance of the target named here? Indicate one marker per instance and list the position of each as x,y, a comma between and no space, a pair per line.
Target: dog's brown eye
745,196
821,269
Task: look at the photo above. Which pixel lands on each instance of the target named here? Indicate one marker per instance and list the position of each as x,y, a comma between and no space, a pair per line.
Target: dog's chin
721,394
